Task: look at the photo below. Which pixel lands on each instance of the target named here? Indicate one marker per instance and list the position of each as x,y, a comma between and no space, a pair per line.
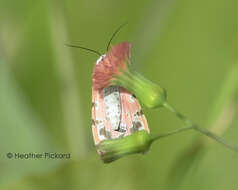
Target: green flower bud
111,150
149,93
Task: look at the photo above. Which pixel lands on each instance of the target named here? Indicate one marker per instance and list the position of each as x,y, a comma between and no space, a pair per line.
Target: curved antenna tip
114,34
84,48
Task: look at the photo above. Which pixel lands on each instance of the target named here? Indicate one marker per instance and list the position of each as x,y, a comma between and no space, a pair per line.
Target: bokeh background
187,46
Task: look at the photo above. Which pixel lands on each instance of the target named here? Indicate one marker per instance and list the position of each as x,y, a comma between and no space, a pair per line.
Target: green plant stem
154,138
204,131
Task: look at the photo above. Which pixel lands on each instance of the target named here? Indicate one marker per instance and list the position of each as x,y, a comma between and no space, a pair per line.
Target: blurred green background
187,46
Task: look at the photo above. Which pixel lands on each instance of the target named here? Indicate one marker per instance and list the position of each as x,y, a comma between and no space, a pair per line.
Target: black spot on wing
136,126
139,113
93,122
105,133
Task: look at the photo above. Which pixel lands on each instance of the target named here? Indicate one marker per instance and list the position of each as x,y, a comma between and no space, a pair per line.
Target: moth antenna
114,34
87,49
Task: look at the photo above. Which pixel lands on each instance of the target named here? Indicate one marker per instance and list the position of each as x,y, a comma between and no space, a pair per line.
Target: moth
116,112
